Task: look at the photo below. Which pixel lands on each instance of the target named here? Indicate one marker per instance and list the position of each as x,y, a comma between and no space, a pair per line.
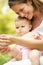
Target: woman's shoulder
41,23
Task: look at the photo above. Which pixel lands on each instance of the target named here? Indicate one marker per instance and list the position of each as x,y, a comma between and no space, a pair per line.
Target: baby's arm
37,36
15,53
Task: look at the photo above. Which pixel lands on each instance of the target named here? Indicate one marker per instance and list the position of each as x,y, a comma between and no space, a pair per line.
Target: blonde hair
38,4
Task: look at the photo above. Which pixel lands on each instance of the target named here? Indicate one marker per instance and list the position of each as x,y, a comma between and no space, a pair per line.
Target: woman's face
24,10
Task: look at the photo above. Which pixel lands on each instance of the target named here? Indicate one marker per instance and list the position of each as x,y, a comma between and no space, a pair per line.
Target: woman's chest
36,23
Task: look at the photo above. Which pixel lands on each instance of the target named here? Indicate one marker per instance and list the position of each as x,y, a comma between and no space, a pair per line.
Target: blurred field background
7,18
7,25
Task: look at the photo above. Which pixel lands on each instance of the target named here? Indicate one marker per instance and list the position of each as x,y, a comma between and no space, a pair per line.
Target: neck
38,17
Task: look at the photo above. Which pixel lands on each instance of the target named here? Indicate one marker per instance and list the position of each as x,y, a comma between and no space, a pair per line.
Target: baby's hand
4,50
37,36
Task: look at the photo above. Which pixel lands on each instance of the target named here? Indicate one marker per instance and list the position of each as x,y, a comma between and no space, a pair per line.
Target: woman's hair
13,2
23,18
38,4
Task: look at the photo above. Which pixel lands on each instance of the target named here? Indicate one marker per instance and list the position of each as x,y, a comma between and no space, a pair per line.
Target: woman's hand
5,40
4,50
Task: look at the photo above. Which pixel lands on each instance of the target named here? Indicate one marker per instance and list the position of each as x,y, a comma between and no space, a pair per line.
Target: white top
39,29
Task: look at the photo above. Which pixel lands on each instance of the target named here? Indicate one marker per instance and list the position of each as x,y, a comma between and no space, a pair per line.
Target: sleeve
39,29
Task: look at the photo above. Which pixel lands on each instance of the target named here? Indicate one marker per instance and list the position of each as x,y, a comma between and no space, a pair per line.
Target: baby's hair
13,2
23,18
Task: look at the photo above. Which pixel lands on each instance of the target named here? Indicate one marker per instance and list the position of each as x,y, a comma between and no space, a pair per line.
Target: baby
23,26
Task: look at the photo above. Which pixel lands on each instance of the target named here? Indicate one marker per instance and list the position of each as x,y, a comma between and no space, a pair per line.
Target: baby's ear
29,2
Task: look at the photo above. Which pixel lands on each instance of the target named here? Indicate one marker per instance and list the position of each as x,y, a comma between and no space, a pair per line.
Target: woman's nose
22,14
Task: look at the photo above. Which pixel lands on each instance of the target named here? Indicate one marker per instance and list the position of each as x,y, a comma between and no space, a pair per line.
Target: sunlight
0,0
41,0
5,9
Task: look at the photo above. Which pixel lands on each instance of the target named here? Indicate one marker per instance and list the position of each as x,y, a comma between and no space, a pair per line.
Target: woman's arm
26,40
32,44
29,41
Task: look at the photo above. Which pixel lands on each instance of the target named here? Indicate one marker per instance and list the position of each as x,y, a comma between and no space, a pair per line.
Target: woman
32,10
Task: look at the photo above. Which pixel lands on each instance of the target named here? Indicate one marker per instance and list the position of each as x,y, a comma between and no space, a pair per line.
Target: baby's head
23,26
